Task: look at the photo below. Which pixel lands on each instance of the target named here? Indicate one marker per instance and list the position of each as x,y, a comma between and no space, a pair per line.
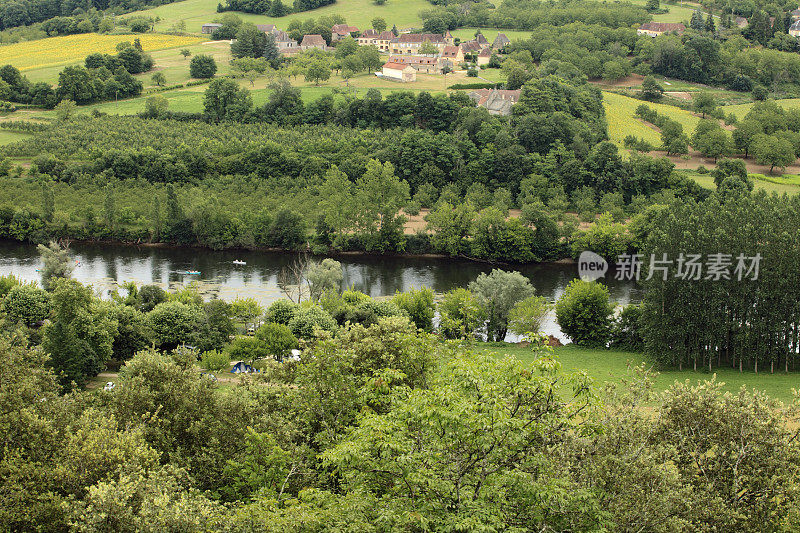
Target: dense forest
23,12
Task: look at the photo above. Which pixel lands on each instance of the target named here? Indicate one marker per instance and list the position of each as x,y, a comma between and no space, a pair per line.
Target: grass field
7,137
622,121
403,13
466,34
57,51
741,110
612,366
787,184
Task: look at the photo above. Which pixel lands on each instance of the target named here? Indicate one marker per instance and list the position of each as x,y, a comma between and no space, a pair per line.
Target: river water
106,266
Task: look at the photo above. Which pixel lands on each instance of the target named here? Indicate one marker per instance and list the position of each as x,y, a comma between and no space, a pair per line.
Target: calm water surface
106,266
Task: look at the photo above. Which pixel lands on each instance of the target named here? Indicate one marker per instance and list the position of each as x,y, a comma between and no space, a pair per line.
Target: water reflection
106,266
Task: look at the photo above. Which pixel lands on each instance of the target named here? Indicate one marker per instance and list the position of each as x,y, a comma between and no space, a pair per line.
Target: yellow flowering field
55,51
622,121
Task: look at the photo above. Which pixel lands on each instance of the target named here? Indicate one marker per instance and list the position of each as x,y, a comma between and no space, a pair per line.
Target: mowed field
622,121
403,13
612,366
57,51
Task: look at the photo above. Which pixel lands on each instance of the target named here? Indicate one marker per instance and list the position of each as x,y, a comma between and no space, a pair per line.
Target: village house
484,56
480,39
381,41
267,28
340,31
496,101
398,72
470,47
654,29
285,43
313,41
410,43
794,29
426,64
740,22
500,41
209,28
453,53
795,14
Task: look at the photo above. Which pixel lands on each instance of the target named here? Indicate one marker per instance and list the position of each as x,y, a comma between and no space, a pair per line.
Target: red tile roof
395,66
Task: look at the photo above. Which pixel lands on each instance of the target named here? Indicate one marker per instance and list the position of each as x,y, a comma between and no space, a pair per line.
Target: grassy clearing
622,121
612,366
8,137
466,34
742,109
359,13
788,184
56,51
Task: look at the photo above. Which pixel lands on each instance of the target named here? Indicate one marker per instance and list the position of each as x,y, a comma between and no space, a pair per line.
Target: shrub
202,66
419,306
626,331
306,320
281,312
461,314
584,313
27,304
175,323
277,338
528,315
247,349
214,360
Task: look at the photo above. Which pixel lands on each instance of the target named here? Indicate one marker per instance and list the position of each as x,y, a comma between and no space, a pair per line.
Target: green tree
48,203
225,100
584,313
428,48
711,140
369,57
498,293
175,323
745,133
249,42
378,24
346,47
323,277
528,315
65,109
185,52
26,304
277,339
651,89
271,52
379,196
57,264
317,71
202,66
696,22
419,305
159,79
81,334
704,103
773,151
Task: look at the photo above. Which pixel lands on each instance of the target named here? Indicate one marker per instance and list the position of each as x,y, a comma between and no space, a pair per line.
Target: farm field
741,110
465,34
356,12
59,51
612,366
789,184
622,121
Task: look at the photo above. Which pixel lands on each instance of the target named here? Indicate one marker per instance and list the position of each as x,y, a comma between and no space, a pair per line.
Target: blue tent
242,368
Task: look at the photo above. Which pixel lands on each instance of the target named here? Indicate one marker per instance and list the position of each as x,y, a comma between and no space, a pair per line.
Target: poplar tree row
748,323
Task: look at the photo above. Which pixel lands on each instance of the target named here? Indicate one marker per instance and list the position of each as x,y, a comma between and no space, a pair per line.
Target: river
106,266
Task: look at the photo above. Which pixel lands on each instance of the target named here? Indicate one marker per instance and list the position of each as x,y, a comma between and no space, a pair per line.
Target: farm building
209,28
399,72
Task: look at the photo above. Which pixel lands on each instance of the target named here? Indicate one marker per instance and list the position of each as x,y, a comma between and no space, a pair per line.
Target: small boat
191,272
238,262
